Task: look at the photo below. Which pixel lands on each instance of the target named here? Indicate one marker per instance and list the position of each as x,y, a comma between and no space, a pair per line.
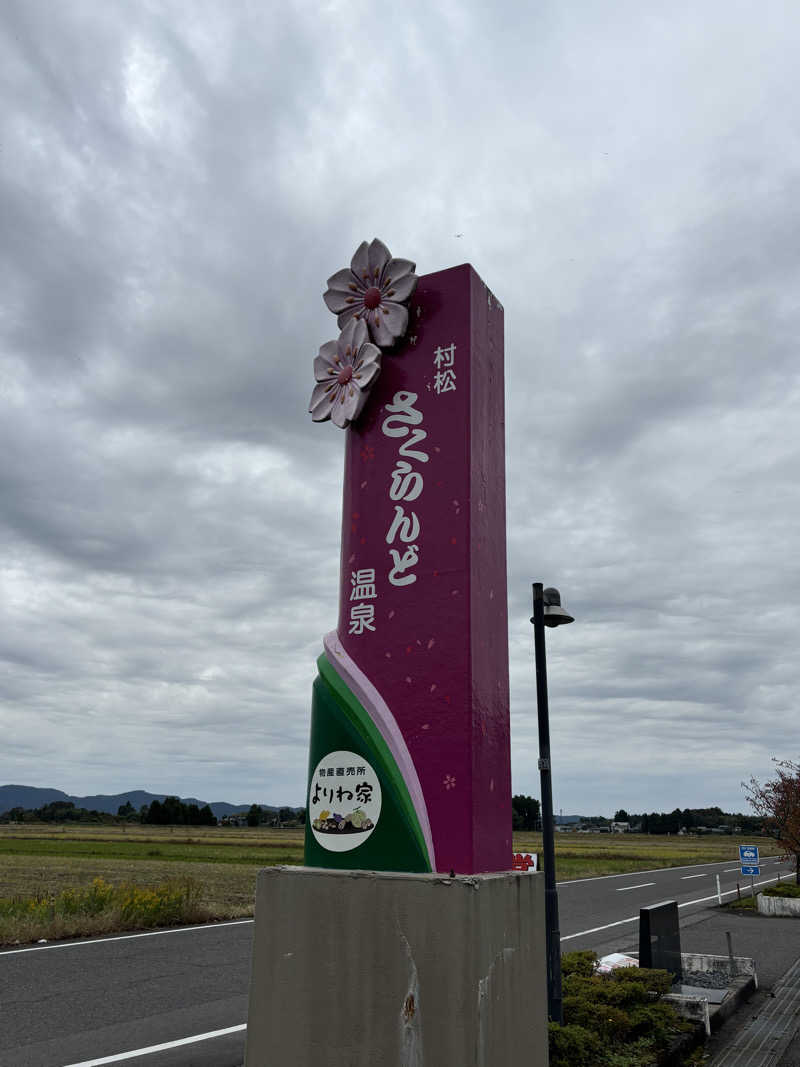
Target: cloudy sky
177,181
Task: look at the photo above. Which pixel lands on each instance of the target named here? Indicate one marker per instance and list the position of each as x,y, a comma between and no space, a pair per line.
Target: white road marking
596,929
652,870
644,885
686,877
635,918
728,871
120,1056
123,937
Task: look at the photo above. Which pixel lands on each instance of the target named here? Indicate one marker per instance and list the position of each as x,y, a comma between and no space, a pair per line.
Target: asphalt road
602,913
117,999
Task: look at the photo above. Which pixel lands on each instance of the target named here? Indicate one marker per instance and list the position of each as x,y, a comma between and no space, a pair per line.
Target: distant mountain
30,796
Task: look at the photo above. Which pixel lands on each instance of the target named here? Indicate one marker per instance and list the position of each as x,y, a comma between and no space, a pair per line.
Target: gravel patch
707,979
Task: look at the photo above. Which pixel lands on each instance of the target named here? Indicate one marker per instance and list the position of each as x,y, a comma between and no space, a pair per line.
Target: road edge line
123,937
652,870
635,918
120,1056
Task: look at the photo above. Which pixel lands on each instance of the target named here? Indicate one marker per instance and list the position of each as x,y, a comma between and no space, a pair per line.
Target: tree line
57,811
258,816
171,811
526,815
690,820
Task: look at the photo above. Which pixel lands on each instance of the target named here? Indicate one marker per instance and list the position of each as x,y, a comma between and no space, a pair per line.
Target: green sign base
394,841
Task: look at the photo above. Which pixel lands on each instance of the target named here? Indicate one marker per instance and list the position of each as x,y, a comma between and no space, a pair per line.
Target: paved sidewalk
766,1036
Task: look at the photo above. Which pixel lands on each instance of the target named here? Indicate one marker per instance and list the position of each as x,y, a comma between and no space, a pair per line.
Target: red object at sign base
523,861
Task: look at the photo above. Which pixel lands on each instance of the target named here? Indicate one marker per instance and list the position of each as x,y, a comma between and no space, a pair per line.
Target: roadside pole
554,1002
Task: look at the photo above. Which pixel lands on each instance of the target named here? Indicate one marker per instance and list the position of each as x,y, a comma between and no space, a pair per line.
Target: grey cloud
177,184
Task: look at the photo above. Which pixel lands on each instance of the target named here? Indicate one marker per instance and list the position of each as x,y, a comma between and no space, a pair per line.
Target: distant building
233,820
620,827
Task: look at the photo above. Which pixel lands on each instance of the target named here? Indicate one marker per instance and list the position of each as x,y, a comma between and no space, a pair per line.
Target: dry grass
222,891
99,908
251,836
227,892
40,861
260,846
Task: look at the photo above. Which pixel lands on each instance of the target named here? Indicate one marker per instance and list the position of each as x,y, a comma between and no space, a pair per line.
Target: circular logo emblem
344,801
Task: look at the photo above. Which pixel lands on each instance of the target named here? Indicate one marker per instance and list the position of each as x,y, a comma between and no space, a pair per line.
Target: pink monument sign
410,726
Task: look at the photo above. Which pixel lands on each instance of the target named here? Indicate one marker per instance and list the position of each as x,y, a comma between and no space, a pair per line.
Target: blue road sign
748,853
750,870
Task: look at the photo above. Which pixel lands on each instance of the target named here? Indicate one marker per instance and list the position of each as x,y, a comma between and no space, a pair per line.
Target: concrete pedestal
366,969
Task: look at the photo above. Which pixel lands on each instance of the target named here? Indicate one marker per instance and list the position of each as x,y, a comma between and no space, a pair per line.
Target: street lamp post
547,611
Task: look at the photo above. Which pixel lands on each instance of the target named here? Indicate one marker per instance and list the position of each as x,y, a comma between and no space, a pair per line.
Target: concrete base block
366,969
786,906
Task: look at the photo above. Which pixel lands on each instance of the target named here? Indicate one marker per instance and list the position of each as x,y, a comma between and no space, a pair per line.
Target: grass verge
748,903
784,889
99,908
745,904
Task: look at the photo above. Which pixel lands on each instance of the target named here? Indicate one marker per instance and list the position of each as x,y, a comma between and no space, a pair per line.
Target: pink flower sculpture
345,370
374,290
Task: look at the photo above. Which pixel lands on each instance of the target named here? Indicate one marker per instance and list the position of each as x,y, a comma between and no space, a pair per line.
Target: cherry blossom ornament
345,370
374,289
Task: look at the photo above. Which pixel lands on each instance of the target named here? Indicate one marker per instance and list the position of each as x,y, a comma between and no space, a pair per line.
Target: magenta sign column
424,509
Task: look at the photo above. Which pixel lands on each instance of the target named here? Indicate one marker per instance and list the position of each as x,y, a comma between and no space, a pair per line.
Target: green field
41,860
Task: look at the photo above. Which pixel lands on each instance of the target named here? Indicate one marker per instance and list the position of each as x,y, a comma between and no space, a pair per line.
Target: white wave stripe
377,708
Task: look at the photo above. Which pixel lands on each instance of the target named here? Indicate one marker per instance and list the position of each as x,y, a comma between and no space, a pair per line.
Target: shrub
656,1021
573,1046
617,1020
609,1023
649,980
582,963
639,1053
785,889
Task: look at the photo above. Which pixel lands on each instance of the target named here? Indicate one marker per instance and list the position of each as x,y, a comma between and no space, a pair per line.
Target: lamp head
554,614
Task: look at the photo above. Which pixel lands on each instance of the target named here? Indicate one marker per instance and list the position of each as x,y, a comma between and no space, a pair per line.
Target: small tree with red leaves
777,802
